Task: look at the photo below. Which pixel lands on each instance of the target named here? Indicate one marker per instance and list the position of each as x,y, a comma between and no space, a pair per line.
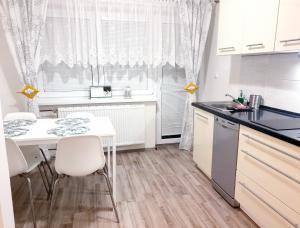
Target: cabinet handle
290,40
203,117
260,45
272,147
271,167
227,49
267,204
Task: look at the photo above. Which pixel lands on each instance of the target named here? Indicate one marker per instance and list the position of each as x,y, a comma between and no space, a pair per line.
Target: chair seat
33,156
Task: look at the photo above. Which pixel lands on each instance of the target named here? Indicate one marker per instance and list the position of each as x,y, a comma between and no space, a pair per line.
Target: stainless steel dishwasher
224,159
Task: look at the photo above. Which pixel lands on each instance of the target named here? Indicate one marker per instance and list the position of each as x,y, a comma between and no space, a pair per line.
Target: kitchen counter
265,112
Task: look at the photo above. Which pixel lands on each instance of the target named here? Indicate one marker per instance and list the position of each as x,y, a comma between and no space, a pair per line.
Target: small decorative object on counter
127,92
242,98
255,101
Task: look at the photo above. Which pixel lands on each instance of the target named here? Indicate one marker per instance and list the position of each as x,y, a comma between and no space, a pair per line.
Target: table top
37,134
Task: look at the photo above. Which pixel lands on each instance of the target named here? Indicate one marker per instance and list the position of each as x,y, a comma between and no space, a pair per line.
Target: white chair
78,156
29,150
81,115
22,165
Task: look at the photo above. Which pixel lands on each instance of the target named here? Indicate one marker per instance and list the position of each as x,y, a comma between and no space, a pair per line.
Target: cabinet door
265,209
230,27
203,140
288,28
259,25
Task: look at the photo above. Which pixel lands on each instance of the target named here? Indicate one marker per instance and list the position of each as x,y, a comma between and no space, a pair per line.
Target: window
81,37
61,78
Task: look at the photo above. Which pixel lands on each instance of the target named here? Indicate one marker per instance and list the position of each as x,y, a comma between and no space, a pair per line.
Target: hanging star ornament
29,91
191,88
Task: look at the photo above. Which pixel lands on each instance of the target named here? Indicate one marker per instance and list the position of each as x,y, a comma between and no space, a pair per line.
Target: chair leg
47,179
44,182
105,168
46,161
31,200
110,193
52,201
51,173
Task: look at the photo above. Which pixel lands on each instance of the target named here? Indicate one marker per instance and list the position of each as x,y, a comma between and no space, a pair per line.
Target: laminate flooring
155,188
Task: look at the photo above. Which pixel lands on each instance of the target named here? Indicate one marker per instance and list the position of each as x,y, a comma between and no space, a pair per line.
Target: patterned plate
68,130
13,132
72,121
18,123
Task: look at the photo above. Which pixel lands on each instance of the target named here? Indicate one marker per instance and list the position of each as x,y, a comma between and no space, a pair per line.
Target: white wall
276,77
9,79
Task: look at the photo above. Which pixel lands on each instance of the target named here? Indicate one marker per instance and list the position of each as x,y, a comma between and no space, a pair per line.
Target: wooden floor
156,188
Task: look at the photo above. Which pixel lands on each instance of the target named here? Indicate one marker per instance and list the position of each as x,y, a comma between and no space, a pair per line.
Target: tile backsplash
276,77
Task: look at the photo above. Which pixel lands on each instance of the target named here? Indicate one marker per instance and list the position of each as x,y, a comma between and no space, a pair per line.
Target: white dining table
100,126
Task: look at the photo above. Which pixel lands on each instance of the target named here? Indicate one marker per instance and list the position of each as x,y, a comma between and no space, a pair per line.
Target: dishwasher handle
226,123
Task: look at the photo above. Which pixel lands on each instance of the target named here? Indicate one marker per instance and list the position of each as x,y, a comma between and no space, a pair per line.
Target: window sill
88,101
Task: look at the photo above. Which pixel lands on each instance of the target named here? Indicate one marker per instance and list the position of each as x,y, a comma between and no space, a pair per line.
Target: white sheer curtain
195,16
24,20
99,32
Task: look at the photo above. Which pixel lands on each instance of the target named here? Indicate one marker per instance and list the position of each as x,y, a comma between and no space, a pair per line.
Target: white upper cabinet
230,27
288,28
259,25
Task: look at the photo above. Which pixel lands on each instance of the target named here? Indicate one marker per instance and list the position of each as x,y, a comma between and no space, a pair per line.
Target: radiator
128,120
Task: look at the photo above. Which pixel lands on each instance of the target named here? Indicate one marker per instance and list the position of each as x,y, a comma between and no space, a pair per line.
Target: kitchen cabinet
288,28
268,179
230,27
262,207
259,25
203,140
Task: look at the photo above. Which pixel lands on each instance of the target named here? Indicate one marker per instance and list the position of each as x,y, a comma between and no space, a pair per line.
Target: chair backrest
79,155
81,115
16,161
20,116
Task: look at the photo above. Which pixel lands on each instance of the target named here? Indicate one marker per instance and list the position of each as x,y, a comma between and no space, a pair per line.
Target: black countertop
264,112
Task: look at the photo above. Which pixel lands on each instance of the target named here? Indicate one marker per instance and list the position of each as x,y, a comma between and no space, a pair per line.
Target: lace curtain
99,32
195,16
24,20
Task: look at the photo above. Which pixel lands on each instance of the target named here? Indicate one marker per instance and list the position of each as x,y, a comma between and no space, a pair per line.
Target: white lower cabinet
203,140
268,179
266,210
